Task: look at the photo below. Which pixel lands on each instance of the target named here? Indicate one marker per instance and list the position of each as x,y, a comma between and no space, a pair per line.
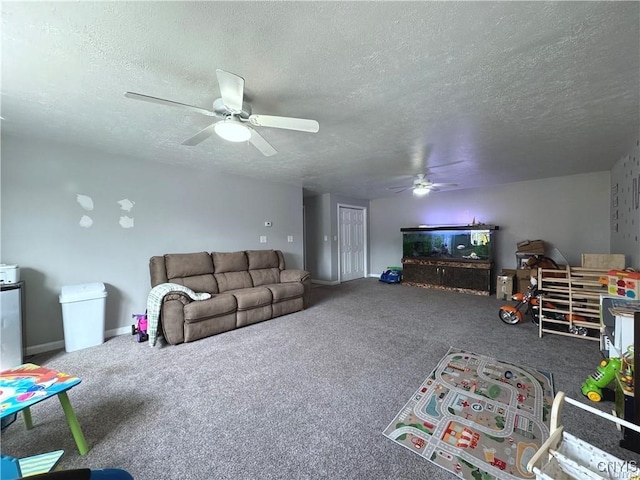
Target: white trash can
83,312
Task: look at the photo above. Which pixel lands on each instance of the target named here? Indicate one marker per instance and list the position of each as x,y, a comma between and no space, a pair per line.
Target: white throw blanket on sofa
154,302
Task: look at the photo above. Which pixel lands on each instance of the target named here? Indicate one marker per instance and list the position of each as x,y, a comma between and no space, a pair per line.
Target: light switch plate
263,239
290,239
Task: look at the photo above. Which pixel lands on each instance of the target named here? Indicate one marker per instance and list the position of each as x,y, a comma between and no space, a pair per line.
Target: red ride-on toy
527,301
530,301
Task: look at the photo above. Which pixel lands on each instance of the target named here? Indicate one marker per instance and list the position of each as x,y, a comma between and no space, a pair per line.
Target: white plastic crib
566,457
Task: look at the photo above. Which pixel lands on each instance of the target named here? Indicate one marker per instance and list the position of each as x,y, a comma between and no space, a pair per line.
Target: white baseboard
116,332
374,275
325,282
58,345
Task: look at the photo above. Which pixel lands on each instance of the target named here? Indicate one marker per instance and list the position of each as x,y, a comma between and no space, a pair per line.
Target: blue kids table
28,384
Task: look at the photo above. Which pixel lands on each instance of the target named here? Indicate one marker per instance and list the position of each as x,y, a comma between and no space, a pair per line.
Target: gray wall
321,217
175,210
570,213
625,205
317,226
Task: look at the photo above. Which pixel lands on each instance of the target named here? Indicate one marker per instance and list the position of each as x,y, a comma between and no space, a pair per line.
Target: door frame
304,237
365,226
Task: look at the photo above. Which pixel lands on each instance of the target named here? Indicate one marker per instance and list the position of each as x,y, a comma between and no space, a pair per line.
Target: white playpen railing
573,458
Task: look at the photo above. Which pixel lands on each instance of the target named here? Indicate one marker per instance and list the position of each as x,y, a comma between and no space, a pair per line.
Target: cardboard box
605,261
523,279
504,285
531,246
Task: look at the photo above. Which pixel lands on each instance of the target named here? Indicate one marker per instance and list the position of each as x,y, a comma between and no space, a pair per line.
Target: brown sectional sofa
246,287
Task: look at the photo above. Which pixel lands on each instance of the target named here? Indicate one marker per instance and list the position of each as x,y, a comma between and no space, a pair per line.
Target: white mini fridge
11,305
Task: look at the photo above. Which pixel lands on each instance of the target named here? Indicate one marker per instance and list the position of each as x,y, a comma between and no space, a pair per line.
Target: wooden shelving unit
571,301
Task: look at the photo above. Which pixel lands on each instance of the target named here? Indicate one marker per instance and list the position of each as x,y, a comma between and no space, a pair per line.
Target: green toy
603,376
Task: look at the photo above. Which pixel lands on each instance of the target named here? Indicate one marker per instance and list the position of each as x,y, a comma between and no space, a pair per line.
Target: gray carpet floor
302,396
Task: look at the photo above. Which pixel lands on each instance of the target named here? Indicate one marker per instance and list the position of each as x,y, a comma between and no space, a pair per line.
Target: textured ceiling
502,91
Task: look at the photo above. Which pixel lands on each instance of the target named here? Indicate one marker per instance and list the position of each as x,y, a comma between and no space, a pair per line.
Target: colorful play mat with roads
477,417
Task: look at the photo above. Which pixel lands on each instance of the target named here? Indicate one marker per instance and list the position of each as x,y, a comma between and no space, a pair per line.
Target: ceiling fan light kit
232,130
422,186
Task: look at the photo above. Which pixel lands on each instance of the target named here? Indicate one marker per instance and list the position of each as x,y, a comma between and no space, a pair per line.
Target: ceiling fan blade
429,167
300,124
162,101
261,144
445,185
200,136
231,90
401,188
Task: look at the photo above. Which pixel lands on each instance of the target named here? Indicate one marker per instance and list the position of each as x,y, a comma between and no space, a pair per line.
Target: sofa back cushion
231,270
193,270
233,281
229,262
263,267
219,271
158,270
259,259
265,276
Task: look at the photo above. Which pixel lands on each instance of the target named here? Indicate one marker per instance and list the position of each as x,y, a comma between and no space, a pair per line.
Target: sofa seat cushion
254,297
285,291
217,305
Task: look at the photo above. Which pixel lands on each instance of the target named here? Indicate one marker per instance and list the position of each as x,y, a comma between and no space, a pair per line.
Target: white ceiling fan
422,186
234,116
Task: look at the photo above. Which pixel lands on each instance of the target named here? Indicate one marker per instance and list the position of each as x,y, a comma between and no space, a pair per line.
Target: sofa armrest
301,276
180,296
294,276
172,316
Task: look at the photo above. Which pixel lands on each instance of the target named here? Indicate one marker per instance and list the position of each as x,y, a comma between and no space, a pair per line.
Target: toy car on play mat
391,275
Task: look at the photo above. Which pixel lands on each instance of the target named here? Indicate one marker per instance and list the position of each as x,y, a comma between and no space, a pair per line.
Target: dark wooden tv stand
466,277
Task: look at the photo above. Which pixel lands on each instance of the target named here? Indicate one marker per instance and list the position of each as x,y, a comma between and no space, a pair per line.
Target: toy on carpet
140,327
391,275
605,373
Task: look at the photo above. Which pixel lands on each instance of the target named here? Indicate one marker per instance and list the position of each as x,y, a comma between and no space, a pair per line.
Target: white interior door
352,243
